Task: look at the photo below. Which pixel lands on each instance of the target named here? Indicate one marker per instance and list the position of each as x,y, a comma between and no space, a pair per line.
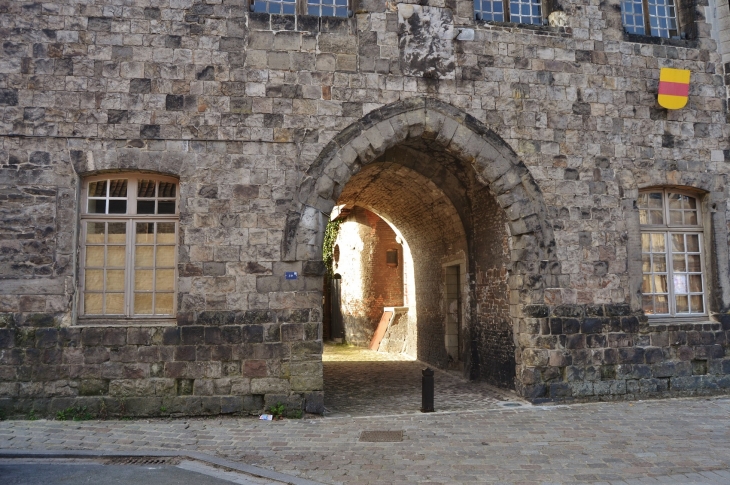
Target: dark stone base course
202,366
634,396
583,353
178,406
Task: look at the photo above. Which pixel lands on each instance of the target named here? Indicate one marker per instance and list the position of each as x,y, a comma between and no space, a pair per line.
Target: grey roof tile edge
193,455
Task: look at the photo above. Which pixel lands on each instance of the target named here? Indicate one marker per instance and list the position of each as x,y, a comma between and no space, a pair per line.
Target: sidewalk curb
192,455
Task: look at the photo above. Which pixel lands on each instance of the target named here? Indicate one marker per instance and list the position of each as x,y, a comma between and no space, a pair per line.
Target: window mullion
647,28
670,273
131,229
702,274
82,267
132,196
506,13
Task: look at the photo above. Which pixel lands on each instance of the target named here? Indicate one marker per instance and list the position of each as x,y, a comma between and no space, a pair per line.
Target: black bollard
427,391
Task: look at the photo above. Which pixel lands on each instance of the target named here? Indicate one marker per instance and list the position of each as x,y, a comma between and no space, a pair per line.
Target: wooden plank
380,331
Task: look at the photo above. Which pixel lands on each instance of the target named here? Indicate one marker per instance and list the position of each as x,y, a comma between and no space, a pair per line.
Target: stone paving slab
670,441
362,382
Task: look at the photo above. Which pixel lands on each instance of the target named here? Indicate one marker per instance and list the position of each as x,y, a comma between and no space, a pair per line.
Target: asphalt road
75,472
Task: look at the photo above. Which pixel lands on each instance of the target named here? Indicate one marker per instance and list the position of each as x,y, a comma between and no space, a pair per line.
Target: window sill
301,23
683,323
538,29
125,322
648,39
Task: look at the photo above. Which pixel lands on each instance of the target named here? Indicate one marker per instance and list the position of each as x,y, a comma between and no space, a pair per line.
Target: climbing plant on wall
328,247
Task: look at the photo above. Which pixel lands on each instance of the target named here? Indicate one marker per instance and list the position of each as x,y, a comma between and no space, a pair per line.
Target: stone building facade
167,166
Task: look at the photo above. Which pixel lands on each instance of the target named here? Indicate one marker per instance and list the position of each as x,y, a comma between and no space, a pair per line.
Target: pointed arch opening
471,213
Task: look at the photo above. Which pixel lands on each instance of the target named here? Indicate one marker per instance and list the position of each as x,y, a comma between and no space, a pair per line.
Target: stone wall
603,352
268,120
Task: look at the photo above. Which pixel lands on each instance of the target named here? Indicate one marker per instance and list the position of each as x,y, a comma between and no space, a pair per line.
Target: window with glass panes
128,236
518,11
657,18
671,251
319,8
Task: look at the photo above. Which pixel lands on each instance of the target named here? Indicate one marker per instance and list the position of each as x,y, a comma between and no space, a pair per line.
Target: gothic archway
424,125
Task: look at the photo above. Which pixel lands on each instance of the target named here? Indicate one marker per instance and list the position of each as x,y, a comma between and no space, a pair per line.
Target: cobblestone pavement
670,441
362,382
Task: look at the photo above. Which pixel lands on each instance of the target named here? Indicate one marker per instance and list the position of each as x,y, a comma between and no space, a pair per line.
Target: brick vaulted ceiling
416,206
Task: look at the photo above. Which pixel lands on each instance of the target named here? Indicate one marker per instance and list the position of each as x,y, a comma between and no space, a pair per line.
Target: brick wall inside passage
368,283
432,228
491,347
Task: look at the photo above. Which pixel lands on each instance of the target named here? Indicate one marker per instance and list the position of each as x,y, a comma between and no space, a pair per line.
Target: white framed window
128,246
318,8
672,253
657,18
517,11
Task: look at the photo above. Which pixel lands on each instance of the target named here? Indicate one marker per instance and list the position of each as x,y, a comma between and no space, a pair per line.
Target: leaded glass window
283,7
517,11
657,17
327,8
318,8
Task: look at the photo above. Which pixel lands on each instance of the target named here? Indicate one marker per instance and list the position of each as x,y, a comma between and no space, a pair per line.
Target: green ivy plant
328,247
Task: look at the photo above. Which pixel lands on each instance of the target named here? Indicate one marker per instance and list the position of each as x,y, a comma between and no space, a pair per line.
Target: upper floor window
672,253
657,18
517,11
319,8
128,237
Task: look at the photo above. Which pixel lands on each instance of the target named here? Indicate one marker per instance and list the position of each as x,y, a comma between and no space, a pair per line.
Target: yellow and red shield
673,88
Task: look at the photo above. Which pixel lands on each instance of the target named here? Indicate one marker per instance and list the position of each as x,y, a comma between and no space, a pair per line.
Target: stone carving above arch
495,164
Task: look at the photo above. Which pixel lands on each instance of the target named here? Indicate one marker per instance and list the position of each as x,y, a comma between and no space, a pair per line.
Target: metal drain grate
381,436
142,460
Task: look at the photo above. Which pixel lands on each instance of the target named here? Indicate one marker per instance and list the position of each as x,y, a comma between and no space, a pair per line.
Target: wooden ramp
382,328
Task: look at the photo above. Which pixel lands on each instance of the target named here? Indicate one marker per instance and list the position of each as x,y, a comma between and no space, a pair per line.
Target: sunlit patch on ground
362,382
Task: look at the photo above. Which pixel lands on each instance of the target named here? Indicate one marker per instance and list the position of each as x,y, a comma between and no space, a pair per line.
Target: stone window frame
301,7
684,18
131,218
667,229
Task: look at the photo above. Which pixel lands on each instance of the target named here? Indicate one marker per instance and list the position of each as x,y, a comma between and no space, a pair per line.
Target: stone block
269,386
560,390
253,404
306,383
653,386
592,325
686,383
143,406
581,389
231,404
8,97
314,402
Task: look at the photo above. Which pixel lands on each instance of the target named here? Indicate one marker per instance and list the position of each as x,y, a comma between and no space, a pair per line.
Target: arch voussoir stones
459,133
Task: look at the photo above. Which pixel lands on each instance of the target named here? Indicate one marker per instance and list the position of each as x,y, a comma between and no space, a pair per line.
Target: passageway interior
363,382
421,263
